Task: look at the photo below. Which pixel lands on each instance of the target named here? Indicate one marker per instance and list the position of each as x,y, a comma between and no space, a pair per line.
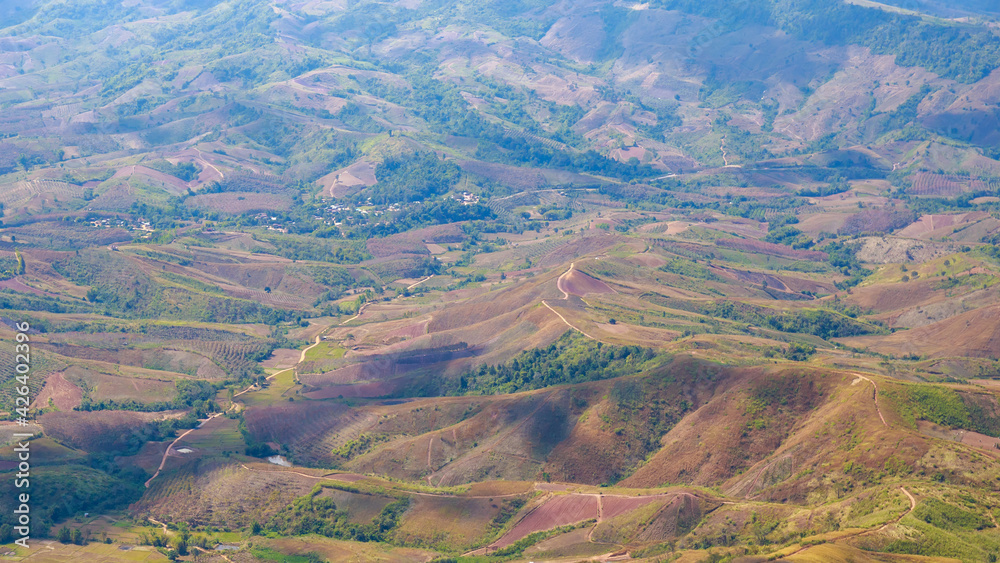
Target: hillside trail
610,556
166,453
417,493
725,155
411,286
600,517
212,551
361,309
158,523
562,278
874,396
559,285
913,501
302,358
166,533
913,505
205,161
430,443
567,322
501,438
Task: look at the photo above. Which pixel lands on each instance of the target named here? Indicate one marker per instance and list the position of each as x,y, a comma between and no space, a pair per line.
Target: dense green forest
571,359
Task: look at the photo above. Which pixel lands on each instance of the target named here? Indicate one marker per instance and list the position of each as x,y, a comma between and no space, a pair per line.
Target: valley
537,280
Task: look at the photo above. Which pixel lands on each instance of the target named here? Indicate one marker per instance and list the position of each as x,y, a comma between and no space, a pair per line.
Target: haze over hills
432,280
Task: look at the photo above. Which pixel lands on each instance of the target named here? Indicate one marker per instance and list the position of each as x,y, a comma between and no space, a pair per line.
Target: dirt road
166,454
560,283
567,322
163,461
874,396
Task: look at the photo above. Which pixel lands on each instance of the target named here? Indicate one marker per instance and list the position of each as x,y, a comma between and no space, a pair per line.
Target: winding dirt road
205,161
725,155
567,322
411,286
874,396
561,281
913,505
361,309
302,358
166,453
559,285
913,501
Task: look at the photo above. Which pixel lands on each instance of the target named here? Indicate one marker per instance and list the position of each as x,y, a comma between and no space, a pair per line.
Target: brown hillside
975,334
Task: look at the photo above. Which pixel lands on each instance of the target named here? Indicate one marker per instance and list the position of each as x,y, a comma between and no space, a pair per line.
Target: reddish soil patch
347,374
415,242
362,390
883,298
396,245
15,284
282,358
166,180
578,283
516,177
754,278
978,440
552,487
240,202
348,180
116,198
615,506
942,185
930,223
881,220
447,233
967,437
291,423
410,331
648,260
590,243
559,511
762,247
148,458
98,430
973,334
63,394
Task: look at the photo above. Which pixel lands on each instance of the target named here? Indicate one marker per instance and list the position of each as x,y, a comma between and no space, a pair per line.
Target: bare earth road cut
875,396
800,548
566,285
166,453
171,447
567,322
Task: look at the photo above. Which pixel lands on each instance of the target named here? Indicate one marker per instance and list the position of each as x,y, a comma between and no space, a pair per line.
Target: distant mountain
502,280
